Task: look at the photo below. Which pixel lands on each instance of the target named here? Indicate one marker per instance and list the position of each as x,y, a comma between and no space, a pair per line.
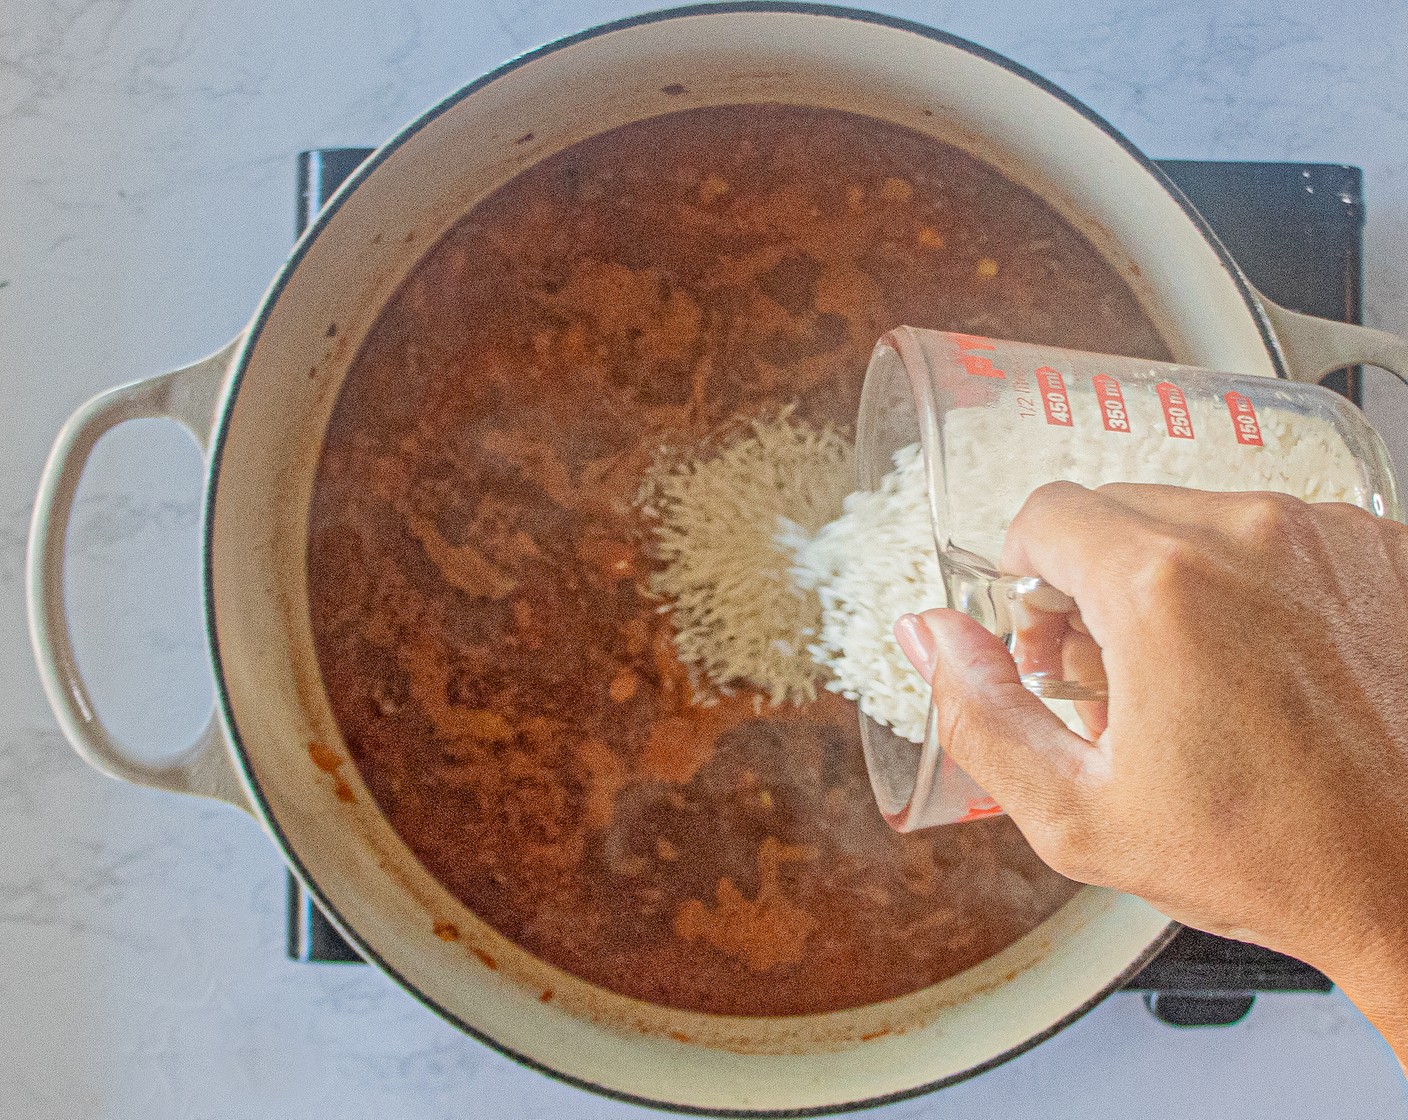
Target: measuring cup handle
1035,621
1313,346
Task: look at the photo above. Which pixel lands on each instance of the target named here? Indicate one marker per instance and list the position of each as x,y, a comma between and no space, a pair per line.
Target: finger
1239,514
1229,512
1082,661
1085,544
1069,536
1006,739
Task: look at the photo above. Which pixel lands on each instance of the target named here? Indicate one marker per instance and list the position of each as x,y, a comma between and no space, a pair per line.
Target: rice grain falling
871,565
739,617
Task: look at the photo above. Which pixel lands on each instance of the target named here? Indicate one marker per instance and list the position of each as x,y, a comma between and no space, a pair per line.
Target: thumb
1006,739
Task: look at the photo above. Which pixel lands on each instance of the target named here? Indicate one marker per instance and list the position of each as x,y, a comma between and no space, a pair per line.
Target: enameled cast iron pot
259,406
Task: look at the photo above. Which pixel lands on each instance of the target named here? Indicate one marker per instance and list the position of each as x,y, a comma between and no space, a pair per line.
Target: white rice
1301,457
874,563
739,619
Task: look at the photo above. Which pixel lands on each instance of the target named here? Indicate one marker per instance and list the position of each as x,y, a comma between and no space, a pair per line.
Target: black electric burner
1296,230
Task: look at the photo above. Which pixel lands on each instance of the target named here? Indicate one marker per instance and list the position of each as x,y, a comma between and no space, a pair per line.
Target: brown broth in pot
509,694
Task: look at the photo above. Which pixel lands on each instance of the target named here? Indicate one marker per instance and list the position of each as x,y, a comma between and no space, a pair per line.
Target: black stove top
1296,230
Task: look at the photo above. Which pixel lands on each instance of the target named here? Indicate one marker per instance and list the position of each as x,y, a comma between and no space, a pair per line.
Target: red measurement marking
1244,422
1053,397
1113,413
975,364
1177,418
986,807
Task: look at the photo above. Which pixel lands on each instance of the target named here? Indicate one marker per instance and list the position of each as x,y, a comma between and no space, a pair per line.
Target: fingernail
917,641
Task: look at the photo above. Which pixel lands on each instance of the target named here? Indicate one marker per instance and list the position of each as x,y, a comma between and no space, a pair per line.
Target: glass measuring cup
997,419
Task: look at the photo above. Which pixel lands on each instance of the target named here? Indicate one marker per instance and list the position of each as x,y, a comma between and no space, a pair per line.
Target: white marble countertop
145,202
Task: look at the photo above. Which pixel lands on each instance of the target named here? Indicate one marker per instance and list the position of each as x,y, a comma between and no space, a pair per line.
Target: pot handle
188,396
1314,346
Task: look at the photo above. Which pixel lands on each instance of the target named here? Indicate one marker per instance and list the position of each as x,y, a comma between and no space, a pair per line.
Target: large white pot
259,407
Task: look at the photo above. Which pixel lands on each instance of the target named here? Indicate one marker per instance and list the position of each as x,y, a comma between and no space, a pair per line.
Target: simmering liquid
512,698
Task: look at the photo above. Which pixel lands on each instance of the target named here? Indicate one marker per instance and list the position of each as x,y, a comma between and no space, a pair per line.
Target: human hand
1250,772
